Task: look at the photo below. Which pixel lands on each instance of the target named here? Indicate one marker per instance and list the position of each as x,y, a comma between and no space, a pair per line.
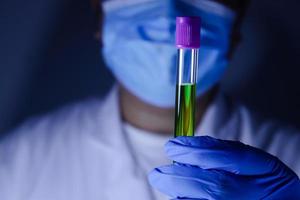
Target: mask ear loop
235,35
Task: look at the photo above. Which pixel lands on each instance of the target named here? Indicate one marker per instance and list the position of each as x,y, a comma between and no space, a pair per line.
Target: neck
152,118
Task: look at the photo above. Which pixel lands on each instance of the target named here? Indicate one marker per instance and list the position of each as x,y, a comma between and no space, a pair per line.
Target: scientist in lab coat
104,149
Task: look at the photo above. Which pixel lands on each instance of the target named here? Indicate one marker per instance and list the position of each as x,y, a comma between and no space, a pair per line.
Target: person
104,149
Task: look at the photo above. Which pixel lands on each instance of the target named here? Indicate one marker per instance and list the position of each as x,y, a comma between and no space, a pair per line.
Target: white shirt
148,150
85,152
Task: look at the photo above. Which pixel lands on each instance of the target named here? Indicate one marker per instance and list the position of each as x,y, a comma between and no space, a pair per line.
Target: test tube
188,44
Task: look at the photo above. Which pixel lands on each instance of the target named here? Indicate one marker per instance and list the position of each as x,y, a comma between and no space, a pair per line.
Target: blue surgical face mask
139,45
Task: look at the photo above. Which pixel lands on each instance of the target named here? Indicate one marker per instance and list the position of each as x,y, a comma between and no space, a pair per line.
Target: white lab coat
81,152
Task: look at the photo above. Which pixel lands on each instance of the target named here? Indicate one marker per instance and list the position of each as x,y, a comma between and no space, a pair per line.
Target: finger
179,181
190,182
210,153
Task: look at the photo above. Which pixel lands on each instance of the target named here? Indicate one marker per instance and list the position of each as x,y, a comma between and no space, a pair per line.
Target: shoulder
54,124
28,149
44,148
70,124
61,123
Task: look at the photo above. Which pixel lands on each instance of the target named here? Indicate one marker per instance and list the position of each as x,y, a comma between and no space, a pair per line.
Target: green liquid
185,110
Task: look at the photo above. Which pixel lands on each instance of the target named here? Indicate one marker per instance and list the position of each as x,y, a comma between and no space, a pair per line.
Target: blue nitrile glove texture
209,168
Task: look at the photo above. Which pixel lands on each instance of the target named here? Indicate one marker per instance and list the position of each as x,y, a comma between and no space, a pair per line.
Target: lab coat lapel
125,180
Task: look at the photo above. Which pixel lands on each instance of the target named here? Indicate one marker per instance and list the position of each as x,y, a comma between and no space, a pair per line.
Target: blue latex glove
208,168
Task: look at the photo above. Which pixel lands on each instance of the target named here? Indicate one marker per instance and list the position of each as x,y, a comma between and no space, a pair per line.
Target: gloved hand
208,168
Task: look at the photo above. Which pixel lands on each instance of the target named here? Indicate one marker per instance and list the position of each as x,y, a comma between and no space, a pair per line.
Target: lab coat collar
109,122
115,146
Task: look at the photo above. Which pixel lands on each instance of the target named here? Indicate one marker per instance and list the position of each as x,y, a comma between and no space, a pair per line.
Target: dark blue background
49,57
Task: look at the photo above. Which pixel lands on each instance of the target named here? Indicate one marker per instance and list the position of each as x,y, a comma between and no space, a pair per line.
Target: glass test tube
188,43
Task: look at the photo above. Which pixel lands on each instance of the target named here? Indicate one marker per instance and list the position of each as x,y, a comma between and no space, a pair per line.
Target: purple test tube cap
188,32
